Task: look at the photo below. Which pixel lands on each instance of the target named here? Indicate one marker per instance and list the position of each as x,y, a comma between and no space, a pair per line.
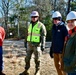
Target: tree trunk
54,5
68,6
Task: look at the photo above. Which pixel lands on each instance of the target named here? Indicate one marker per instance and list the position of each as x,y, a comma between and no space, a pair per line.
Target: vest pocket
37,30
36,39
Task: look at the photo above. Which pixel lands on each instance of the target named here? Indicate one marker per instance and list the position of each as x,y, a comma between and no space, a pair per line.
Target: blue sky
11,10
26,4
0,14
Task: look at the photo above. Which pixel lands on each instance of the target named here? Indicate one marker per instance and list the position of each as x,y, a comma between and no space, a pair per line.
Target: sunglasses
34,16
55,18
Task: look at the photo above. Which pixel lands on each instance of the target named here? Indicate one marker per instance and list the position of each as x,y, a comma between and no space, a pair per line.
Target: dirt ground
14,64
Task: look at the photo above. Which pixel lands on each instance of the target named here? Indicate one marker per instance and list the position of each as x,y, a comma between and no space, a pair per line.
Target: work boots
1,73
24,73
37,72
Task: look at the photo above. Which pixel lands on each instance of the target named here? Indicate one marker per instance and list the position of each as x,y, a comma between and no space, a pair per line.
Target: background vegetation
16,14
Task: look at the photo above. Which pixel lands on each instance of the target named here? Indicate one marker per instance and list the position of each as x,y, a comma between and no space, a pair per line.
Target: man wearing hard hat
36,42
70,48
59,32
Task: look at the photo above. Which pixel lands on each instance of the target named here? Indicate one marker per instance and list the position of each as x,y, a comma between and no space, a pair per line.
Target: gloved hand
42,48
51,52
25,44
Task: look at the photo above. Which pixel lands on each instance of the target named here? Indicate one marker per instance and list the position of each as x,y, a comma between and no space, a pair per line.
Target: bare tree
5,6
68,6
59,5
43,6
53,4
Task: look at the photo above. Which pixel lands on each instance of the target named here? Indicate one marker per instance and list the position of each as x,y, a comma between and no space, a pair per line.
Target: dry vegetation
14,62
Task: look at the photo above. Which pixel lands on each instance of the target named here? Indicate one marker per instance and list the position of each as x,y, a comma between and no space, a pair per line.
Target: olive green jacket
69,57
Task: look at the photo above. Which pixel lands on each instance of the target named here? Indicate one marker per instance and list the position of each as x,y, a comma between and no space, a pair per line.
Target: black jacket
58,36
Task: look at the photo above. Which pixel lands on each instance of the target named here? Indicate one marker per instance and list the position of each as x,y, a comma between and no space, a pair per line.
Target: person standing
2,36
59,32
36,42
69,57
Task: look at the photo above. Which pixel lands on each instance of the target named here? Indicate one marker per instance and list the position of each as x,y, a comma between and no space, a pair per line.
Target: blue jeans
71,73
1,59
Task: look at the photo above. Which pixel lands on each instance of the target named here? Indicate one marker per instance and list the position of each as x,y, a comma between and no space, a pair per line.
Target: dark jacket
70,55
58,36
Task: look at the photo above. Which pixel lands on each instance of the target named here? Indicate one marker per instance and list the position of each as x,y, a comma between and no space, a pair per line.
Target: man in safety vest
36,42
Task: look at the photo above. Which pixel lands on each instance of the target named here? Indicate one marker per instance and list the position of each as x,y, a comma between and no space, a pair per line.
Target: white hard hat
71,15
34,13
56,14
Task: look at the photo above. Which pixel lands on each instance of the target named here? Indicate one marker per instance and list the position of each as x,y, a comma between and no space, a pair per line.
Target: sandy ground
14,62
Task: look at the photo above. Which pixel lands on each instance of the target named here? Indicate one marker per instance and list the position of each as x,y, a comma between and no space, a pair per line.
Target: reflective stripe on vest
34,33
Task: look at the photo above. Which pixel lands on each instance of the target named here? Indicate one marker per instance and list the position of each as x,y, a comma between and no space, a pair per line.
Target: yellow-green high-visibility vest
34,33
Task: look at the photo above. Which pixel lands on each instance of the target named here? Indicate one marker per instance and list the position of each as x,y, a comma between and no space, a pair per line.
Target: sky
26,4
0,15
11,10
